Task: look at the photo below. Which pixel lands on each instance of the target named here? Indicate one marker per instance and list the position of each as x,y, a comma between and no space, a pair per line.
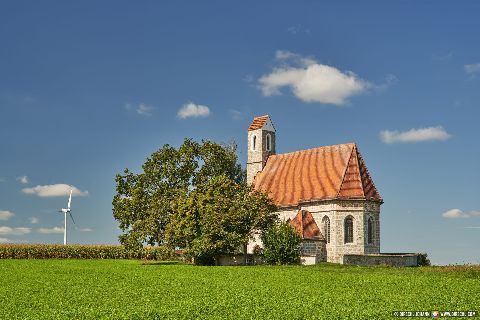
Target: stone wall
308,260
239,260
314,248
394,260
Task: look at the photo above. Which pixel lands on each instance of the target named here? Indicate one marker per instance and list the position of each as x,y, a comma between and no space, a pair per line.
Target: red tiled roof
258,122
306,226
332,172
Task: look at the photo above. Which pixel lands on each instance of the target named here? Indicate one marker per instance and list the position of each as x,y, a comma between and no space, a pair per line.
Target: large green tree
145,201
219,218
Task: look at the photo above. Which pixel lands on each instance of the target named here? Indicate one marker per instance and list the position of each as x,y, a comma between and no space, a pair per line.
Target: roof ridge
359,170
302,216
360,158
345,172
311,149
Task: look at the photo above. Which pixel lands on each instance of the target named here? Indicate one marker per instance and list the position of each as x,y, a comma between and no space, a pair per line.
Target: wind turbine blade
72,218
70,199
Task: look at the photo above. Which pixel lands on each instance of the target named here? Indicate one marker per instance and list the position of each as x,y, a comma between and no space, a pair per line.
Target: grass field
127,289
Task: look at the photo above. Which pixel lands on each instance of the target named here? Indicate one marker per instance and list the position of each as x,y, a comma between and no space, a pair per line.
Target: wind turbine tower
65,212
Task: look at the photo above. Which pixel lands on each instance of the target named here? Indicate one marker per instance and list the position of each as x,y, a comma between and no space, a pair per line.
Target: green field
127,289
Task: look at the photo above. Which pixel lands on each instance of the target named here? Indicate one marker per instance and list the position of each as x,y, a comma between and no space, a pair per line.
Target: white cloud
248,78
287,58
285,55
457,213
50,230
390,79
193,110
34,220
14,231
443,57
5,214
236,115
85,230
5,240
298,29
23,179
311,81
142,109
472,68
54,190
415,135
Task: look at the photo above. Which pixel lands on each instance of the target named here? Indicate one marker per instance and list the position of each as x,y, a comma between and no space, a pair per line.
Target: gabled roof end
262,122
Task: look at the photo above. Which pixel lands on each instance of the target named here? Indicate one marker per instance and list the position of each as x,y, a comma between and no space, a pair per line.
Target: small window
348,227
369,231
269,142
326,228
254,143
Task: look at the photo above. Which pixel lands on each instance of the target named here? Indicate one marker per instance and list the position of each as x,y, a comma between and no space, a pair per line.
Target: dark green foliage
218,218
281,244
47,251
422,260
144,202
126,289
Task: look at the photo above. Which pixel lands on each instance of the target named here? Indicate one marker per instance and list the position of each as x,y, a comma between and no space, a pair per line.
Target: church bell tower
261,144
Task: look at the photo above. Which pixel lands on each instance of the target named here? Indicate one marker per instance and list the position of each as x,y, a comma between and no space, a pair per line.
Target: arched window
269,142
369,230
254,143
348,229
326,228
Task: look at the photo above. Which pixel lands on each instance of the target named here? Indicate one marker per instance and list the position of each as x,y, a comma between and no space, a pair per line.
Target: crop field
129,289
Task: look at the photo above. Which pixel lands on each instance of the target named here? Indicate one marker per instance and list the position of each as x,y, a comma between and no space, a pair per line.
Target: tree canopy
144,202
219,218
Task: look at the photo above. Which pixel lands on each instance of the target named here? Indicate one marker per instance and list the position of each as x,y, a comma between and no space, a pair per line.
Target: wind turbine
65,212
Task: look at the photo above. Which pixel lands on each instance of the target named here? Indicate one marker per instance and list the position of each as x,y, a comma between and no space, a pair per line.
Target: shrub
48,251
422,260
281,245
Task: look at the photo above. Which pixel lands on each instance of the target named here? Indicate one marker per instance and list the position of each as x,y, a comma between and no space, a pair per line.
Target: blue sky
89,88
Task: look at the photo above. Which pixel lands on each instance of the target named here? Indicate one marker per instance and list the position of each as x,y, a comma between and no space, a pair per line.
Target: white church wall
337,211
374,247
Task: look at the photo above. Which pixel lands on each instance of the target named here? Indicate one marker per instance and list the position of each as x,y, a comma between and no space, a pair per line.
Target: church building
326,193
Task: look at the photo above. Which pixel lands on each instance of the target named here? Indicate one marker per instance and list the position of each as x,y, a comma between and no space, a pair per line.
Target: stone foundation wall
308,260
394,260
239,260
314,248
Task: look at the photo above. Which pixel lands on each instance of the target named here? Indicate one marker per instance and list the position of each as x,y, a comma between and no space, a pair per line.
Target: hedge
48,251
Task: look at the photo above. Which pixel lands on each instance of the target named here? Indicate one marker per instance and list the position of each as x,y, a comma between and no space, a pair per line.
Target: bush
422,260
281,245
48,251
